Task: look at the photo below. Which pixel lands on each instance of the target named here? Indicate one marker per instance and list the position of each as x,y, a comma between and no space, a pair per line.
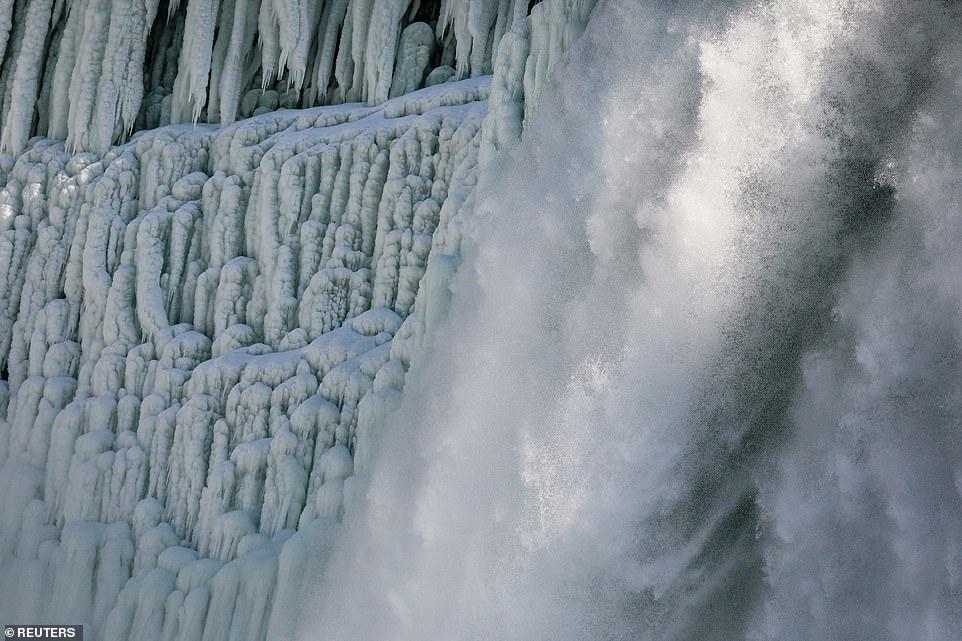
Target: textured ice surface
203,328
681,365
192,322
93,71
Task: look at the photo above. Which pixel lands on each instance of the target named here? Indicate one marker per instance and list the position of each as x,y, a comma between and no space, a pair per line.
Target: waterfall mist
699,375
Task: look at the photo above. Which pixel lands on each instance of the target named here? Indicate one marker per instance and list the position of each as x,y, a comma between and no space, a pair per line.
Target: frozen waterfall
481,320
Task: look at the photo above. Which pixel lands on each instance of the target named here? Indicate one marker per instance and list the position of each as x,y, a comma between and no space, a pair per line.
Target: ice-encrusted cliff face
93,71
202,328
680,363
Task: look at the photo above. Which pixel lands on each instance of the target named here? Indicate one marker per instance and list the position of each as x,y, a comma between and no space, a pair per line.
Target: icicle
86,72
297,21
26,78
331,21
219,56
6,24
382,42
362,12
243,28
63,72
124,42
269,39
190,87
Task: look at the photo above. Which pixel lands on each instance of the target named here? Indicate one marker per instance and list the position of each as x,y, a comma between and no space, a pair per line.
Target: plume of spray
699,375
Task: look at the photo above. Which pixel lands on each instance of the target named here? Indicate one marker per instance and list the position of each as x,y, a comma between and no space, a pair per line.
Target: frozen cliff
92,71
481,320
218,258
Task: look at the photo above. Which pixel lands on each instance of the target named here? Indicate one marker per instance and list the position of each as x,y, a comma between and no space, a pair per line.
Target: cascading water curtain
700,374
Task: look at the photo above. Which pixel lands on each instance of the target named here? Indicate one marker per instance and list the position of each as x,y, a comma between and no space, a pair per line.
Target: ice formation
343,320
93,71
204,327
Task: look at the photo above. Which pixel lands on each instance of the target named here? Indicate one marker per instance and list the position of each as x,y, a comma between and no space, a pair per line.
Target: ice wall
93,71
192,323
203,329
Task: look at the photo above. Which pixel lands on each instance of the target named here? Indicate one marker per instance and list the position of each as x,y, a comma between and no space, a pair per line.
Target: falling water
699,379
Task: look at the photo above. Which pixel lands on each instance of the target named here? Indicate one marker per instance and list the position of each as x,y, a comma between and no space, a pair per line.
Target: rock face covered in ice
202,329
93,71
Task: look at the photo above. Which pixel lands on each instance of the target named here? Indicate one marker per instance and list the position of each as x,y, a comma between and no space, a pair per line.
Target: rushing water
700,377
